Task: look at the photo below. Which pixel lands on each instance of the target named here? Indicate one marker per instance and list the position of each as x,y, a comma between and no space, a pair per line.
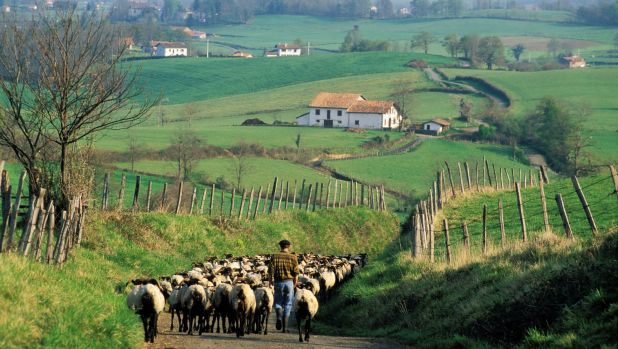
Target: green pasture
522,14
328,33
594,88
181,80
414,172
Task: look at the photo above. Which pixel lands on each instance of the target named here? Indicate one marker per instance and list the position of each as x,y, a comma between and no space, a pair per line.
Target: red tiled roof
441,122
373,107
287,46
335,100
172,44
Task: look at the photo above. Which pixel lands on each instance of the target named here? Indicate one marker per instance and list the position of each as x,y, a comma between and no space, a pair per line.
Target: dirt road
274,340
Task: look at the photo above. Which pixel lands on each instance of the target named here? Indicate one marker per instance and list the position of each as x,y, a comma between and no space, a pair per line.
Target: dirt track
276,340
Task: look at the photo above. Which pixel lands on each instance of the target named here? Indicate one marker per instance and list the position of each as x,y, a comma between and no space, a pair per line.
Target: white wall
318,120
170,52
303,120
289,52
432,127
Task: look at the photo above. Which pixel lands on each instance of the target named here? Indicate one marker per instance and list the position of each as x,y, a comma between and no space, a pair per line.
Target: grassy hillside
415,171
328,33
78,307
594,88
191,79
551,293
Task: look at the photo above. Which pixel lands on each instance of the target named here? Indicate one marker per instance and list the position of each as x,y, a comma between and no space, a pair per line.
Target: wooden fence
37,232
243,204
425,219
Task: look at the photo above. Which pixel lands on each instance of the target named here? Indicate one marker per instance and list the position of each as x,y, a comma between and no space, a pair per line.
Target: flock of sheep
235,291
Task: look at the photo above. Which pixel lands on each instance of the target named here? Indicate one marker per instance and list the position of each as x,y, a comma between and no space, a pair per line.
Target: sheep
242,300
305,308
194,303
265,299
223,309
303,279
174,301
327,282
147,300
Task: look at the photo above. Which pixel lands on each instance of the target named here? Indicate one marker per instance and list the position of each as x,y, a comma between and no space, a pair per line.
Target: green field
594,88
328,33
413,172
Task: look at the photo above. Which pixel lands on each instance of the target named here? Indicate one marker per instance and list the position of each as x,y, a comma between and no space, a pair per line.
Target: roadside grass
413,172
549,293
81,305
594,88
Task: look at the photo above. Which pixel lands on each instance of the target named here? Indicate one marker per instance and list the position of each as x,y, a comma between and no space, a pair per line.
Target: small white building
436,126
171,49
286,49
350,110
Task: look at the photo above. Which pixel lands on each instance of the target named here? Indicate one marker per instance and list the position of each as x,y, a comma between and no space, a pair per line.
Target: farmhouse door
328,123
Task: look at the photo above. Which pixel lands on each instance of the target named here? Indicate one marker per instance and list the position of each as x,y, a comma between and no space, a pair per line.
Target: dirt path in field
275,340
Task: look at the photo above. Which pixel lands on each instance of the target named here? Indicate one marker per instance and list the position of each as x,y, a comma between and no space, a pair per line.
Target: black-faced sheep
223,307
242,300
265,298
305,308
147,300
194,304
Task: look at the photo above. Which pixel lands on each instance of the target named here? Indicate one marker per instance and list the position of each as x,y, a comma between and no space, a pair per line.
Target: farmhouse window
317,112
428,127
356,122
339,113
328,114
317,121
339,121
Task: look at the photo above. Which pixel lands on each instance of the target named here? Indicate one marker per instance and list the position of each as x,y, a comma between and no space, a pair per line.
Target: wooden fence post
280,198
193,199
564,217
272,196
5,196
315,196
461,180
203,201
105,197
582,199
543,204
302,195
423,224
163,197
469,180
466,236
328,195
15,212
211,207
250,202
123,183
34,217
42,223
135,205
232,202
416,242
476,166
432,242
149,197
488,173
287,194
484,229
321,195
501,179
257,204
443,188
383,194
484,172
61,237
450,178
308,198
294,195
222,208
439,192
502,230
522,217
508,178
335,193
435,196
265,206
242,204
50,233
179,199
493,166
447,241
612,169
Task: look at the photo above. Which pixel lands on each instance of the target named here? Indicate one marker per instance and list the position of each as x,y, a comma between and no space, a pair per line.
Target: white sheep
147,300
242,300
315,284
223,308
265,299
327,282
194,304
174,301
305,308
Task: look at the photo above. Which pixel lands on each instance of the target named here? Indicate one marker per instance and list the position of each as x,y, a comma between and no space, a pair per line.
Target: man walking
284,272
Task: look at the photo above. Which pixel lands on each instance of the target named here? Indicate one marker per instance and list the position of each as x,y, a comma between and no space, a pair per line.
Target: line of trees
436,8
601,13
353,42
488,50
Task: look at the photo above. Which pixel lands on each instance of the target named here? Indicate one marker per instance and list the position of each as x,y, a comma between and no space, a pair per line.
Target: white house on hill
282,50
436,125
350,110
171,49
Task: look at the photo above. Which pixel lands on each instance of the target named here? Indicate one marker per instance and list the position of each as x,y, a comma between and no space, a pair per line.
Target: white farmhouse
436,126
171,49
286,49
350,110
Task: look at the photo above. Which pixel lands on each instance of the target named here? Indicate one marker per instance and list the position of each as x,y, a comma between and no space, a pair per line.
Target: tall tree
517,51
420,8
553,46
385,8
351,40
491,51
170,10
422,40
452,44
469,45
61,81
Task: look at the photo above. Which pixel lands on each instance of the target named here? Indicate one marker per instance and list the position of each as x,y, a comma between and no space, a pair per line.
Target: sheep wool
157,296
306,296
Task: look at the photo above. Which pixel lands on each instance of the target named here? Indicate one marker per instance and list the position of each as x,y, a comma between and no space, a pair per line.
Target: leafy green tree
491,51
420,8
351,40
452,44
465,110
385,8
422,40
553,46
469,44
517,51
455,8
170,10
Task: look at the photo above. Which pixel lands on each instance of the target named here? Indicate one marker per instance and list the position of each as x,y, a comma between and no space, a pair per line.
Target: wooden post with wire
522,217
501,218
179,199
582,199
466,236
612,169
563,215
543,203
450,179
484,229
149,197
447,241
461,180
